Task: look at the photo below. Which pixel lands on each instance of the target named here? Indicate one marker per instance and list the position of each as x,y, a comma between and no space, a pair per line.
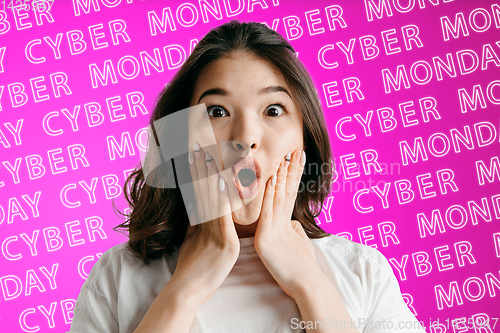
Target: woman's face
243,94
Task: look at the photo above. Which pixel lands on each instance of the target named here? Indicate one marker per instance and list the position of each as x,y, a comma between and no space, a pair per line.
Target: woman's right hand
205,258
210,248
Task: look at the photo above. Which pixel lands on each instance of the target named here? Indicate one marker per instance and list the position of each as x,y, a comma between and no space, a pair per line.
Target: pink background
26,275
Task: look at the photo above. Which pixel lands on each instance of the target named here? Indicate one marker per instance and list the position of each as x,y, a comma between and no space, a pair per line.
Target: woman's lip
247,162
252,163
247,192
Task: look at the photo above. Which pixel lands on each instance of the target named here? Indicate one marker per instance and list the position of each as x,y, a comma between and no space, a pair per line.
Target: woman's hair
158,220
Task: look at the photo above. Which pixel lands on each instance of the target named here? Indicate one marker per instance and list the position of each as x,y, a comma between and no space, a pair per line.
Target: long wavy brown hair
158,220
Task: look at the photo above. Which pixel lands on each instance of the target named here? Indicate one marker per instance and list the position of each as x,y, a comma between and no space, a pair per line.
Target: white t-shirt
121,288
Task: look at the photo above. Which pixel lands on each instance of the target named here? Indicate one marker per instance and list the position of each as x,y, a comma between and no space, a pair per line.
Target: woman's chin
247,214
241,218
250,212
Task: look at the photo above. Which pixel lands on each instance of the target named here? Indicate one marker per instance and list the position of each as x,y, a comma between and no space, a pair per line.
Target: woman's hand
211,248
282,244
288,254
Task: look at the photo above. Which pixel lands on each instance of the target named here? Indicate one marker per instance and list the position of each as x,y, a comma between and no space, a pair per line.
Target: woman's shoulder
118,255
366,280
119,263
358,256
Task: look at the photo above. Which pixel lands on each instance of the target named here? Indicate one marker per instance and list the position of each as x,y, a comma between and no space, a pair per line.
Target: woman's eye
275,110
216,111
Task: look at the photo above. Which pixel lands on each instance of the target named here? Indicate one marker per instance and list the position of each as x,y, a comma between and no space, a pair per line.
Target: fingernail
191,157
287,160
273,180
222,184
303,158
196,147
208,159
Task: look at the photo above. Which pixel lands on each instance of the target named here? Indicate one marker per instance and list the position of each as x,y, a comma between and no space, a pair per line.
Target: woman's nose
245,134
241,145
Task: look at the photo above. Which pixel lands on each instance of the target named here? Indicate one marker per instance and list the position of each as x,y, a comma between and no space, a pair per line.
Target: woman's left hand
280,242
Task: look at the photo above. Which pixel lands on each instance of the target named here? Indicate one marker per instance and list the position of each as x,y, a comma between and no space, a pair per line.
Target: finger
201,168
197,215
280,188
297,226
227,228
294,175
192,212
266,214
213,194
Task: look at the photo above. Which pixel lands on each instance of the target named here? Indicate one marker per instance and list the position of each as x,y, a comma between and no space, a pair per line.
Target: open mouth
246,177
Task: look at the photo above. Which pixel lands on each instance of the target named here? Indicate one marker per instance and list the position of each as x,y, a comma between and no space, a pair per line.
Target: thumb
297,226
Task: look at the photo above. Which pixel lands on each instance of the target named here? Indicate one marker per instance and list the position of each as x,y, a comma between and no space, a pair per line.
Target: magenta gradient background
345,218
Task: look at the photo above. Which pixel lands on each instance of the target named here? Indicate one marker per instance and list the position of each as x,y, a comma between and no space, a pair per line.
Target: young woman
252,259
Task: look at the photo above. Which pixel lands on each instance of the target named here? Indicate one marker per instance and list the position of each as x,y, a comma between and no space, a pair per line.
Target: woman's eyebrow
273,89
265,90
214,91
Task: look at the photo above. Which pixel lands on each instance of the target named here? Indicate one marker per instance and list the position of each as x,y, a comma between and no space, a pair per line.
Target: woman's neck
245,231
